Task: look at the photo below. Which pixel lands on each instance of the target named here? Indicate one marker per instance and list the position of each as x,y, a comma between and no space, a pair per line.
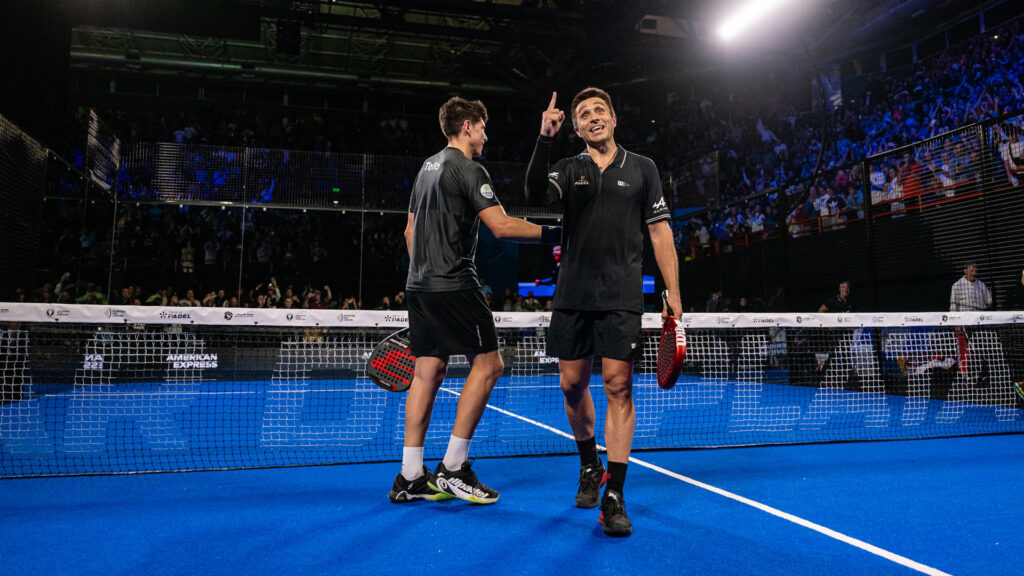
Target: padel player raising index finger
608,195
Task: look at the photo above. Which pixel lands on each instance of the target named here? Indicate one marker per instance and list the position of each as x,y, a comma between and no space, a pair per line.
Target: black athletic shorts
576,334
445,323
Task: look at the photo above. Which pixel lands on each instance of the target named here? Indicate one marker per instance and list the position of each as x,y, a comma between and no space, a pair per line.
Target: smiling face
594,121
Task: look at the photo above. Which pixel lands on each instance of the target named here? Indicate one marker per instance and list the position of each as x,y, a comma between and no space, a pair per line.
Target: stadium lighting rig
746,15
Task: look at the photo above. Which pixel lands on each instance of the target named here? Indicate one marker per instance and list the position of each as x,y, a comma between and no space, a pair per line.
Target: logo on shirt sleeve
486,191
660,205
556,176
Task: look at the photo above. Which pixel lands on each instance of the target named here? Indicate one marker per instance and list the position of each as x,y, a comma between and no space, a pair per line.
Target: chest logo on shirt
659,205
486,191
623,184
582,181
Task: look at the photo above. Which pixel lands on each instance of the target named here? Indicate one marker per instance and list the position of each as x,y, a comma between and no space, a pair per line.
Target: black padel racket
671,351
391,365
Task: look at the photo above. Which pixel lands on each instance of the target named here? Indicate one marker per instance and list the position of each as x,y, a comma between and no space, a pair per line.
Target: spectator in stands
715,302
531,304
969,293
384,304
399,302
840,302
487,290
189,299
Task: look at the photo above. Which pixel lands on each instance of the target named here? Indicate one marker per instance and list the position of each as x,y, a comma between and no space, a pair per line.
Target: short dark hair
456,111
589,92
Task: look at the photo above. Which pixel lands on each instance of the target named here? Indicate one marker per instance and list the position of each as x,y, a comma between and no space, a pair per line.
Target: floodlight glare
746,15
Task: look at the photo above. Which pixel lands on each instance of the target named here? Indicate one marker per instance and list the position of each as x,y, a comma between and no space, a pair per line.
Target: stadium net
104,389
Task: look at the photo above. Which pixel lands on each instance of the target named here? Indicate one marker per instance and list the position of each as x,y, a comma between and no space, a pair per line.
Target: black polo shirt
835,304
449,192
604,217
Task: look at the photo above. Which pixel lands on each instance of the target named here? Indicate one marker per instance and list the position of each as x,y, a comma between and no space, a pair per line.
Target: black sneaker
592,478
613,515
462,483
403,490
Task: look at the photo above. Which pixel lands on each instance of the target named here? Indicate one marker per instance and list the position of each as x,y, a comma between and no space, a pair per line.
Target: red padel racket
671,350
391,365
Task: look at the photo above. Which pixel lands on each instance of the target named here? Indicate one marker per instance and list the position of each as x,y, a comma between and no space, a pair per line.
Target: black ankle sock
616,476
588,452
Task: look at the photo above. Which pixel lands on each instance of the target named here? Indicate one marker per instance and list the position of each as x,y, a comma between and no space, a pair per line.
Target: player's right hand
552,118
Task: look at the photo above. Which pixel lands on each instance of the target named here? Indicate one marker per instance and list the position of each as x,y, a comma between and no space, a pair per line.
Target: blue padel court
905,507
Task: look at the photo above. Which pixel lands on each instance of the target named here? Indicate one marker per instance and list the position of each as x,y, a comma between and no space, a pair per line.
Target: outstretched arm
665,253
506,227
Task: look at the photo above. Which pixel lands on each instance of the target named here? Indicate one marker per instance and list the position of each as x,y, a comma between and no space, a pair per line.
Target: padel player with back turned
608,197
448,315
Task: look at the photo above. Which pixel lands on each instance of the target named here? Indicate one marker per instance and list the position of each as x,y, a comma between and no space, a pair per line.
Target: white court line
901,560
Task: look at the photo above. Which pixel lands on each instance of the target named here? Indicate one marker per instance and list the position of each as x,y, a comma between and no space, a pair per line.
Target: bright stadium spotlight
746,15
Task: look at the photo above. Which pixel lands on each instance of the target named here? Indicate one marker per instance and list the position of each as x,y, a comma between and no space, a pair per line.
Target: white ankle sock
457,453
412,462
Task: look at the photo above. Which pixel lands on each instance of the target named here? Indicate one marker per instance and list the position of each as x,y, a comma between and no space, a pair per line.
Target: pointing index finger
554,96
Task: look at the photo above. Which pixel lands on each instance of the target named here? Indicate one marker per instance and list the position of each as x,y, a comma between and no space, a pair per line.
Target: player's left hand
671,303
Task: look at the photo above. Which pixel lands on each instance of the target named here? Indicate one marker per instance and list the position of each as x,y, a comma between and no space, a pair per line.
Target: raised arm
539,190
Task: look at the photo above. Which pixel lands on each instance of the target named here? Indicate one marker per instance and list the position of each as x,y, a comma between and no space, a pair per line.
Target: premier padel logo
762,320
192,360
396,318
914,319
169,315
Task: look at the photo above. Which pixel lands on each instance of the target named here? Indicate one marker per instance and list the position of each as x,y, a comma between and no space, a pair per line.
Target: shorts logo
486,191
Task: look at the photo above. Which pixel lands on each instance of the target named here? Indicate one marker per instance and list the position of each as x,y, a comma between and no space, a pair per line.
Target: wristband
550,234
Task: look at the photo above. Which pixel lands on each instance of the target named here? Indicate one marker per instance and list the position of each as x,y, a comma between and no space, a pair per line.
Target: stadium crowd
765,154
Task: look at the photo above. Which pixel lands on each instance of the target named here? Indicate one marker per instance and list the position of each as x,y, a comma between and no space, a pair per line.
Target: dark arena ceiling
515,48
